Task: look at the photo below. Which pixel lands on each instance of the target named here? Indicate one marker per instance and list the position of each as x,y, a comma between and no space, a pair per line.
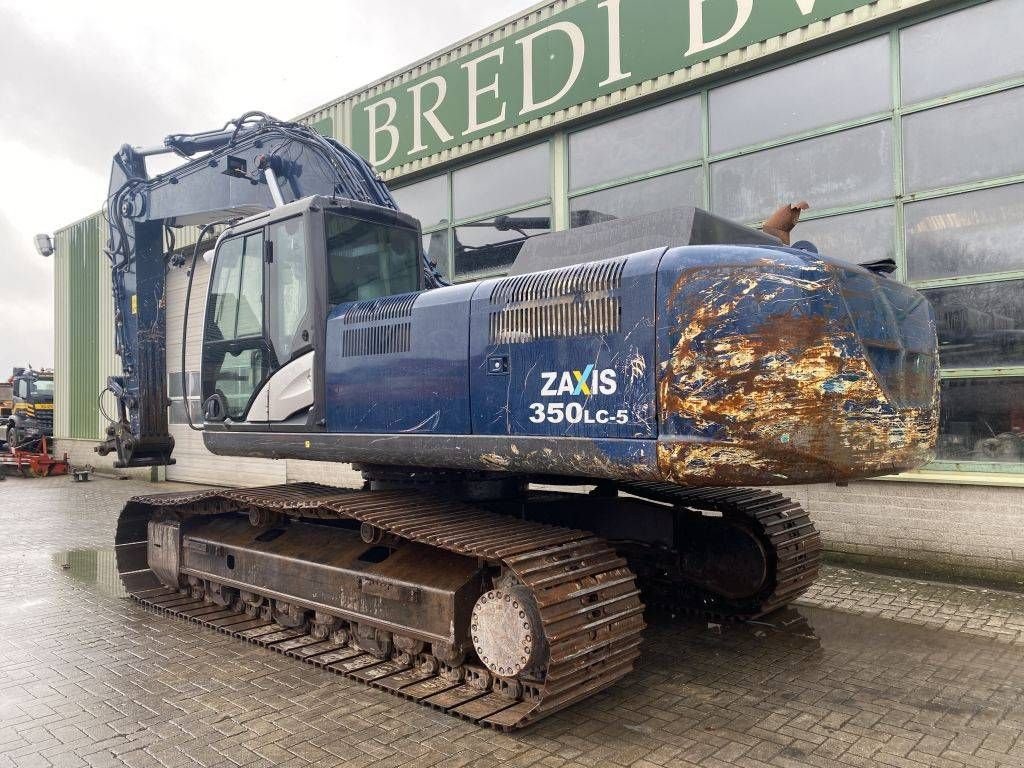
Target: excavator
543,453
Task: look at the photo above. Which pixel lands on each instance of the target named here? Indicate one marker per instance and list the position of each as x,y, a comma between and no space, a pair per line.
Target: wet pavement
867,670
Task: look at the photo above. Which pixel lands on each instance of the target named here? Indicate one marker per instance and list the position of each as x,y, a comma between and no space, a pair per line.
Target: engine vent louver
574,301
384,308
376,340
557,283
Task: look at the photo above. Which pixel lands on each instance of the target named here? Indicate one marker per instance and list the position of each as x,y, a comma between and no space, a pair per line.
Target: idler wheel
506,630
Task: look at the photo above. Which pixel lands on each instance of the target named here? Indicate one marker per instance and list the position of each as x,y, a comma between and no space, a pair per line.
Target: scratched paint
768,381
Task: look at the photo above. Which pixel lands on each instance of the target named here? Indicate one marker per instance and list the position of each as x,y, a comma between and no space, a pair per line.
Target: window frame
451,224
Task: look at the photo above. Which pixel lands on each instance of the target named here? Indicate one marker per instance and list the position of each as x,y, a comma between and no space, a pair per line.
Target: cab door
236,356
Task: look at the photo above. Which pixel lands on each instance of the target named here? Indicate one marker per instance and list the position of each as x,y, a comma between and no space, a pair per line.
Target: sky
78,80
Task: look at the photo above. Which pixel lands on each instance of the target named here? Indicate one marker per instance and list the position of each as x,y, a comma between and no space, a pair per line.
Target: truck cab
31,417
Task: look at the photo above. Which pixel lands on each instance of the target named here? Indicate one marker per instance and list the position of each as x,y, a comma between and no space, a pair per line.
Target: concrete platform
867,670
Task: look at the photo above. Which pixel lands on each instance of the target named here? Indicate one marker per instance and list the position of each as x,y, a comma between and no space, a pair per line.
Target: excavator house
671,365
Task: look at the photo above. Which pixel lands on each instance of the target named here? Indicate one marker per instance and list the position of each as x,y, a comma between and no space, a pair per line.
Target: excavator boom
254,163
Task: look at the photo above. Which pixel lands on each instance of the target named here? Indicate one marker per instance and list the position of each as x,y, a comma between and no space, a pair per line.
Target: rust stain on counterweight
792,399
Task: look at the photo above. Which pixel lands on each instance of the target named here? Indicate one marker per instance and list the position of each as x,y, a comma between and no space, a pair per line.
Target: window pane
286,309
657,194
250,296
237,377
222,303
502,182
174,384
427,200
435,245
980,325
982,420
857,237
487,248
963,50
176,414
846,168
646,141
967,141
366,260
969,234
832,88
236,297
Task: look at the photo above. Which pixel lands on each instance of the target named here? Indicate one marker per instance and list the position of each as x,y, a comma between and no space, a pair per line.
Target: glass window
982,420
236,375
435,245
827,89
969,234
487,248
845,168
966,141
427,200
966,49
502,182
669,191
857,237
286,310
42,387
980,325
236,295
366,260
174,384
639,143
176,414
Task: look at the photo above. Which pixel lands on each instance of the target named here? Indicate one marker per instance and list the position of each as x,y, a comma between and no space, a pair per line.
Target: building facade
898,120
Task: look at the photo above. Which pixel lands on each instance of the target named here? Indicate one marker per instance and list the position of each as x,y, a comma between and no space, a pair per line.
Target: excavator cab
274,280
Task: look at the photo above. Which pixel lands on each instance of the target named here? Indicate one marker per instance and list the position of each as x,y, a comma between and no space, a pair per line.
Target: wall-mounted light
44,244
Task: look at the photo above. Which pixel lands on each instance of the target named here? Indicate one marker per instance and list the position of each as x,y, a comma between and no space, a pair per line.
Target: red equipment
33,463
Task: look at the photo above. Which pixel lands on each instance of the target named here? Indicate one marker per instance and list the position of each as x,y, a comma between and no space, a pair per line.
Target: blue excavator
543,453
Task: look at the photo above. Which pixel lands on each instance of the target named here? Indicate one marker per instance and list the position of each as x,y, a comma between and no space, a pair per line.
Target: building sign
596,47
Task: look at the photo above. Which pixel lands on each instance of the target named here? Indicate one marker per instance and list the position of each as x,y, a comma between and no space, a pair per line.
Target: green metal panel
83,271
324,125
578,57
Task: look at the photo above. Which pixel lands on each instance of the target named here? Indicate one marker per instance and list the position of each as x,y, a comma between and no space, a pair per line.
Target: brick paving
867,671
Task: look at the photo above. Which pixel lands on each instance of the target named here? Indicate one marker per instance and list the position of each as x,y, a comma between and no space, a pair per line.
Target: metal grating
514,325
581,278
574,301
384,308
377,340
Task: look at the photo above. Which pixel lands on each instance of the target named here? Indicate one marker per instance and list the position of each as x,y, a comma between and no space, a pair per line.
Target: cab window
287,290
366,260
236,295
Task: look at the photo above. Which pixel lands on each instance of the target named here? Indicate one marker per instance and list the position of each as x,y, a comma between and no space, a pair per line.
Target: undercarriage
477,596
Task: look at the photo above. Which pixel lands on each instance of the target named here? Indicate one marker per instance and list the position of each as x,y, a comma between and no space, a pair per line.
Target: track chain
589,605
782,526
